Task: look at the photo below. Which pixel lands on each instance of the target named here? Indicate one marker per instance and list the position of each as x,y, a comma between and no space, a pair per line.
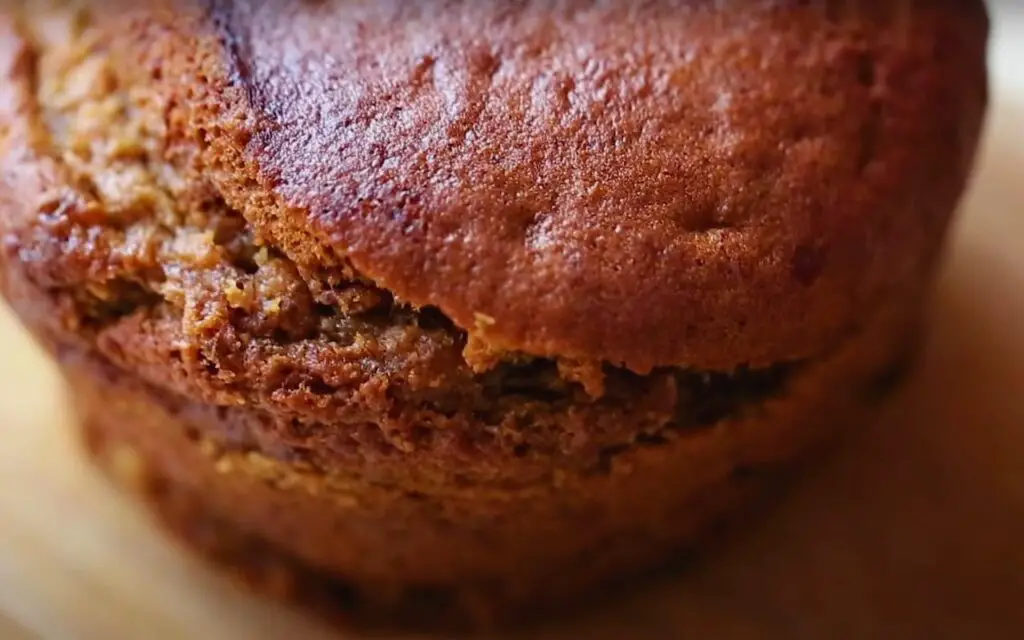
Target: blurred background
913,531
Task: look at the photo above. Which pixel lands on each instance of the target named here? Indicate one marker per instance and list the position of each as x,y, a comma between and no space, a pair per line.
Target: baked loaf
457,310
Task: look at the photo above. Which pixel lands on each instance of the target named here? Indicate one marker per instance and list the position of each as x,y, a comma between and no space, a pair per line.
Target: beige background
914,530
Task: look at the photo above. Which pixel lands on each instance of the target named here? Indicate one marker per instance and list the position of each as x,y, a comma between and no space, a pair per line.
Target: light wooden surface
914,530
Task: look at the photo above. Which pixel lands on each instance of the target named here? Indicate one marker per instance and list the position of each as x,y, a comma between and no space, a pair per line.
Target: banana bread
455,311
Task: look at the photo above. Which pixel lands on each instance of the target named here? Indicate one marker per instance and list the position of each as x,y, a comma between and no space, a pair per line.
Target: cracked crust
389,542
119,245
732,188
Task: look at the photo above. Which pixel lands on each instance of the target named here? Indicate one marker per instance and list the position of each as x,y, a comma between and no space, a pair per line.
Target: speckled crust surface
458,314
731,187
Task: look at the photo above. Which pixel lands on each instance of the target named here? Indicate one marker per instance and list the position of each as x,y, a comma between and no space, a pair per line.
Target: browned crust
696,186
487,551
248,409
114,247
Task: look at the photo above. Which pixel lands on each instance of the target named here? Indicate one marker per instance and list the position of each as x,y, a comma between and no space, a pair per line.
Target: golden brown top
704,184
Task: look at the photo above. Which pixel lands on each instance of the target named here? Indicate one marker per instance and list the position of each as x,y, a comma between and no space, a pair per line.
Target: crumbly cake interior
152,264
